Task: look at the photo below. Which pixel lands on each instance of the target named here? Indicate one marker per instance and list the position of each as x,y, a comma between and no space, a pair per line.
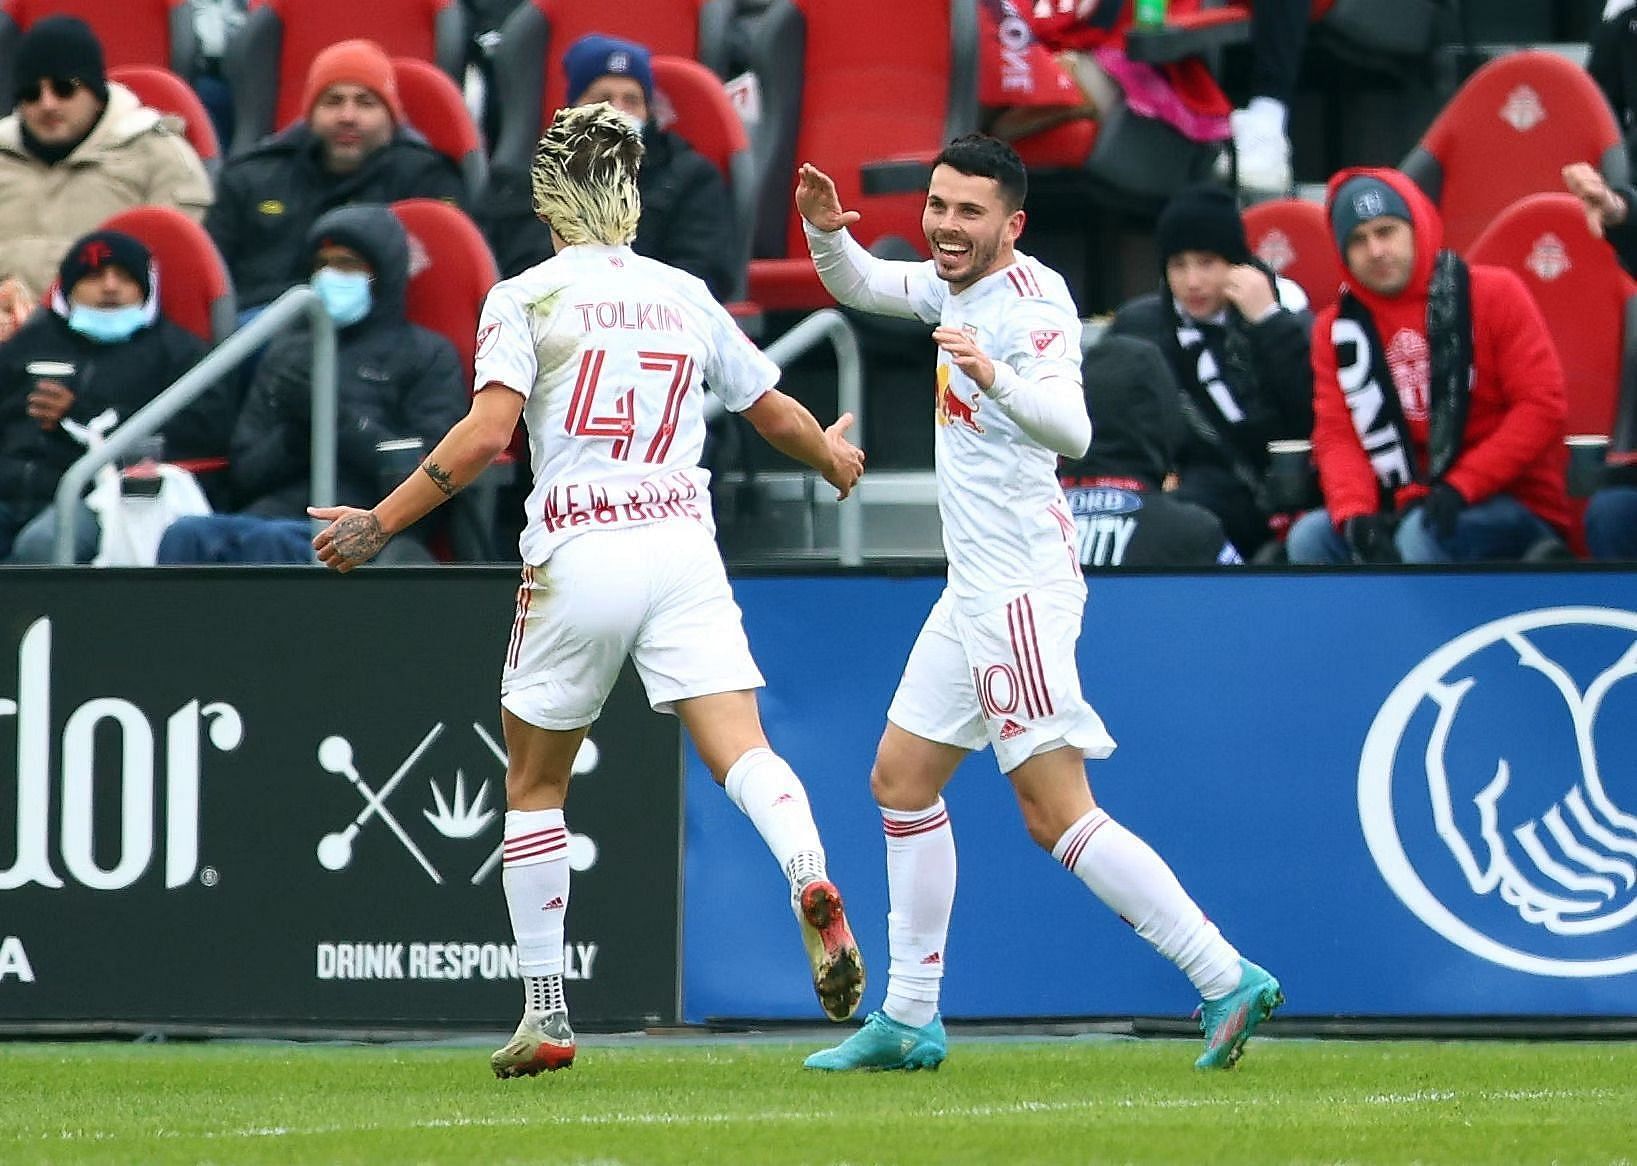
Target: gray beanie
1361,199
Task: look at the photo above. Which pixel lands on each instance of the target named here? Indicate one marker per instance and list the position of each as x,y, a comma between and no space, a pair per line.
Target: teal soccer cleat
1228,1023
883,1043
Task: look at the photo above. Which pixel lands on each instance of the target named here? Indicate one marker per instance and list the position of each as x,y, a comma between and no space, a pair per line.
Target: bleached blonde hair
584,175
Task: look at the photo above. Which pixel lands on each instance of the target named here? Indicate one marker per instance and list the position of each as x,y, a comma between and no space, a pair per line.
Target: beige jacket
134,156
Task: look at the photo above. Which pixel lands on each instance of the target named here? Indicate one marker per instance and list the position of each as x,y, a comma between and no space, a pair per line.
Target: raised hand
353,538
817,200
966,355
847,464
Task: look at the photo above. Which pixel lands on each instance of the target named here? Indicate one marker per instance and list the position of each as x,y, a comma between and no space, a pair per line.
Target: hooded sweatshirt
1512,442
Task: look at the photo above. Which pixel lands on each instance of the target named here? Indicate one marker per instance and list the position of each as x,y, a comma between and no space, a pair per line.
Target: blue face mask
106,325
346,294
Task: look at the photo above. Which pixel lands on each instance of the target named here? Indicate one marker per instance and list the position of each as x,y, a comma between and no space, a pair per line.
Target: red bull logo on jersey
951,409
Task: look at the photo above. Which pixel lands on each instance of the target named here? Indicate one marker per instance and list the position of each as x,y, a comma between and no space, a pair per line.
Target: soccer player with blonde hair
604,355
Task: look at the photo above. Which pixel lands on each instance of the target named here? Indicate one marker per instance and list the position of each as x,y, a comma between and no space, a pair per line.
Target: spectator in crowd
215,23
1613,62
100,345
1611,514
353,147
687,218
1438,398
78,149
394,381
1122,516
1239,354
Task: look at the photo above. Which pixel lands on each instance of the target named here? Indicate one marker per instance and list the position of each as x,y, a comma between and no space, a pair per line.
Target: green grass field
1069,1101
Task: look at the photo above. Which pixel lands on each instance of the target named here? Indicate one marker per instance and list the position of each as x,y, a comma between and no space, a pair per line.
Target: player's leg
1045,762
695,661
726,729
933,722
535,874
576,617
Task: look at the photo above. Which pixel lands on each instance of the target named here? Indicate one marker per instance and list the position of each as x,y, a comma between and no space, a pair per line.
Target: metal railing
234,351
829,324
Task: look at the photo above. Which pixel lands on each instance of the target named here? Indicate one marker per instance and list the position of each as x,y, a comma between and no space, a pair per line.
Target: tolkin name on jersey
620,314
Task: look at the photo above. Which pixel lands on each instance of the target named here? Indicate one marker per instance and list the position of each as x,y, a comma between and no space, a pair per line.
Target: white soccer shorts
656,593
1005,678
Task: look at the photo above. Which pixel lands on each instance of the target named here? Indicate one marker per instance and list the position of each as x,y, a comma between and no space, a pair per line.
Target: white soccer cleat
838,968
541,1044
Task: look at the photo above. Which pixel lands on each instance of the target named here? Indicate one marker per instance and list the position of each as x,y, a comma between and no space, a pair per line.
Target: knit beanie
102,249
354,62
61,46
1202,218
1361,199
596,56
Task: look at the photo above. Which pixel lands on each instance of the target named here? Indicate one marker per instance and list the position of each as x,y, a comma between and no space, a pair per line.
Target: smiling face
969,226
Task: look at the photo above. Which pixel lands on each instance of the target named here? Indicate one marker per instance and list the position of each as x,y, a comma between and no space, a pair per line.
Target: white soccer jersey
1006,525
611,351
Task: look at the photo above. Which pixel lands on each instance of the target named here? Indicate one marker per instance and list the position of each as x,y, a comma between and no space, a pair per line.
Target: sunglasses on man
62,88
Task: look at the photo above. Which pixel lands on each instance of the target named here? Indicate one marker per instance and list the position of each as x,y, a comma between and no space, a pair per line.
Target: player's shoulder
1030,280
545,277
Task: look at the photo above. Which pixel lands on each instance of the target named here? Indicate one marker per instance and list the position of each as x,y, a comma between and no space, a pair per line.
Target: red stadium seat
528,60
132,32
163,90
434,106
267,60
901,91
194,288
1293,237
450,272
1589,302
703,116
1508,132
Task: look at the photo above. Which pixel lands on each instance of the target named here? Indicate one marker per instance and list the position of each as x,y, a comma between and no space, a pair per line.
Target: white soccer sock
771,795
920,896
1124,872
535,874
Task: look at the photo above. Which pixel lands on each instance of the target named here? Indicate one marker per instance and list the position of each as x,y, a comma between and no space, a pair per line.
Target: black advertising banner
276,797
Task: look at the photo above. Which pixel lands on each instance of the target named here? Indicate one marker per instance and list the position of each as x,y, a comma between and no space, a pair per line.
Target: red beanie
354,62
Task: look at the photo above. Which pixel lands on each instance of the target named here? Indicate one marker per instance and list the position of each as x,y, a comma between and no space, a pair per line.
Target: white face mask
630,119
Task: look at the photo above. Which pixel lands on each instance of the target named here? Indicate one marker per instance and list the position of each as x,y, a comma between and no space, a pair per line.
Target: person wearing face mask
1236,339
111,350
77,149
687,217
394,381
352,147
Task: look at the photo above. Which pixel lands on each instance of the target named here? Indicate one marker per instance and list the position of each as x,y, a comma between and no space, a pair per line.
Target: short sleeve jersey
611,352
1006,526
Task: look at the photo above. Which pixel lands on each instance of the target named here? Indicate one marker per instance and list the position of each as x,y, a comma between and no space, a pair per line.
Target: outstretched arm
788,427
355,536
850,273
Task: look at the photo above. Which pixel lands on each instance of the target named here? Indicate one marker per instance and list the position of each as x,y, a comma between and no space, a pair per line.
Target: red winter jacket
1513,441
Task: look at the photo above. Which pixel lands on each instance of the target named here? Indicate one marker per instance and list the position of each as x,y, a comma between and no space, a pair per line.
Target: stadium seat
899,92
435,108
267,60
132,32
1589,302
159,88
528,58
1293,237
450,272
1508,132
194,288
704,118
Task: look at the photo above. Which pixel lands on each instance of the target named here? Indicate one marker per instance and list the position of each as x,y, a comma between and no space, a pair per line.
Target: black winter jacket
267,201
122,376
687,220
393,380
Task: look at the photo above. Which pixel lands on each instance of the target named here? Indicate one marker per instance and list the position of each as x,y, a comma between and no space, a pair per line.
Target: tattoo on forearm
441,478
358,537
